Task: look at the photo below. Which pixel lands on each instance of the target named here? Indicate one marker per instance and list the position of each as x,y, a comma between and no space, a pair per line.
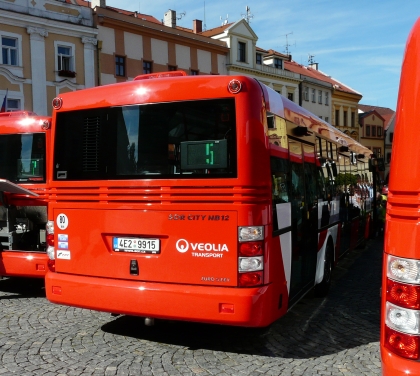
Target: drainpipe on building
98,61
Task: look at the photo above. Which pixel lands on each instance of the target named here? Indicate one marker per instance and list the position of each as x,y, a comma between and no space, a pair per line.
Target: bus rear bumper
252,307
394,365
23,264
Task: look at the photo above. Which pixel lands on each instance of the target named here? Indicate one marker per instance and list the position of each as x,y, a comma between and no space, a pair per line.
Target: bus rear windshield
22,157
152,141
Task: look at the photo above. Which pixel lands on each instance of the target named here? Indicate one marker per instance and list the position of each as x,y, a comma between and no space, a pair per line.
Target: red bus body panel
402,236
21,263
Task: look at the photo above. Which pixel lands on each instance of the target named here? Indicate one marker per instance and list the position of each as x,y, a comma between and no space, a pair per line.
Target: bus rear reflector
404,345
250,279
404,295
226,308
56,290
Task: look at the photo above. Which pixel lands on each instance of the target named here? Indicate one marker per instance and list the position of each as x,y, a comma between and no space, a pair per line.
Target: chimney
98,3
314,66
169,18
197,26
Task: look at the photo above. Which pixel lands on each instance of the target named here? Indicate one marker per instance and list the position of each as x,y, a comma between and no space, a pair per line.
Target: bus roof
291,111
24,124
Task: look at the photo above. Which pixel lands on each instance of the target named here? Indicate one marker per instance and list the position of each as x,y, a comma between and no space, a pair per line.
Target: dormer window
278,63
258,59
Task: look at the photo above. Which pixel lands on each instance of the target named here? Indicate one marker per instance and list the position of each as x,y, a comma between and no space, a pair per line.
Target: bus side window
279,184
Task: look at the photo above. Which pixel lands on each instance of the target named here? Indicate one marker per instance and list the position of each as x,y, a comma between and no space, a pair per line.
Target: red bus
205,198
23,194
400,308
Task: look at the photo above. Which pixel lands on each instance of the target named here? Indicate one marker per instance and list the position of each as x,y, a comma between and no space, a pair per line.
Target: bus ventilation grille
91,150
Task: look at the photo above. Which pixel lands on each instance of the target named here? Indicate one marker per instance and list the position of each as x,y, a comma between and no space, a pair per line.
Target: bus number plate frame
136,245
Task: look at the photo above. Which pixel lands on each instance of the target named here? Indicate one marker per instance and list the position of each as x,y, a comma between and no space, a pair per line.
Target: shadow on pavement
15,288
347,318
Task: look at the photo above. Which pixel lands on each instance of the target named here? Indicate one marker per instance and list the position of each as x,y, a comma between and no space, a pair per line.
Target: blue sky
359,43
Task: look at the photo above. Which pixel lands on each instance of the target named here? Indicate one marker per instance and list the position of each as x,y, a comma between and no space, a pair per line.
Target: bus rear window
165,140
22,157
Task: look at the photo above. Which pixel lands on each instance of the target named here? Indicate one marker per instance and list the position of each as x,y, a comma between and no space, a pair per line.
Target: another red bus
205,198
23,194
400,309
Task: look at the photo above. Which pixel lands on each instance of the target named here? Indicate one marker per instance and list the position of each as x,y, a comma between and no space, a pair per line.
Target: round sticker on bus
62,221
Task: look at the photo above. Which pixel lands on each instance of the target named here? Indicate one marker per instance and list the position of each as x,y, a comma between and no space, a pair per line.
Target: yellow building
47,48
372,132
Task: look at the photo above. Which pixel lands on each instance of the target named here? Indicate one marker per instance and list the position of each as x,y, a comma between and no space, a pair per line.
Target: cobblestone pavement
337,335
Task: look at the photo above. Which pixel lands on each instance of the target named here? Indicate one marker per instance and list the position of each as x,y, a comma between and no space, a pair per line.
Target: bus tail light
403,294
402,309
250,279
251,256
50,245
404,345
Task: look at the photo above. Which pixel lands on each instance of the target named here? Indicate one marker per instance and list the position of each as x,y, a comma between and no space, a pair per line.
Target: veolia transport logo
182,245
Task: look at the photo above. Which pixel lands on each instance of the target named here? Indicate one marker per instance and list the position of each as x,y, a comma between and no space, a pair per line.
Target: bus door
304,217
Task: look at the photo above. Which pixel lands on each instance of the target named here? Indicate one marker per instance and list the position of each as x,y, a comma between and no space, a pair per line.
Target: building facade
372,131
48,47
131,44
315,92
245,58
389,122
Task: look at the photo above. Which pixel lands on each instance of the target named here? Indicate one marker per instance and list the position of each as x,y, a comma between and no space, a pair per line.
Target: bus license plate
136,245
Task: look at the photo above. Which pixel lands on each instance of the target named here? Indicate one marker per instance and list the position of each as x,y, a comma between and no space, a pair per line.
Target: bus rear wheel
322,288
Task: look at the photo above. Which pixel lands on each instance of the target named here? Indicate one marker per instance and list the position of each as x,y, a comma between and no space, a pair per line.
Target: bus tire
322,288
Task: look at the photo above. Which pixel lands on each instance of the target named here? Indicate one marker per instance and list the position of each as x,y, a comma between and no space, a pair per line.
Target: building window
120,66
379,131
290,96
313,95
388,157
12,105
278,63
337,118
306,93
368,130
147,67
320,96
194,72
391,136
345,118
64,58
258,59
172,68
241,51
352,119
320,117
9,51
327,98
377,151
327,119
373,131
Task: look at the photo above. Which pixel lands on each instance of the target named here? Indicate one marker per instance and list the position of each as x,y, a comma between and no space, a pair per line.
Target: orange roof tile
311,72
216,30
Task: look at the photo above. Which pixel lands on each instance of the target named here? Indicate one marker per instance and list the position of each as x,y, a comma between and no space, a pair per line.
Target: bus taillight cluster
402,317
50,245
251,256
